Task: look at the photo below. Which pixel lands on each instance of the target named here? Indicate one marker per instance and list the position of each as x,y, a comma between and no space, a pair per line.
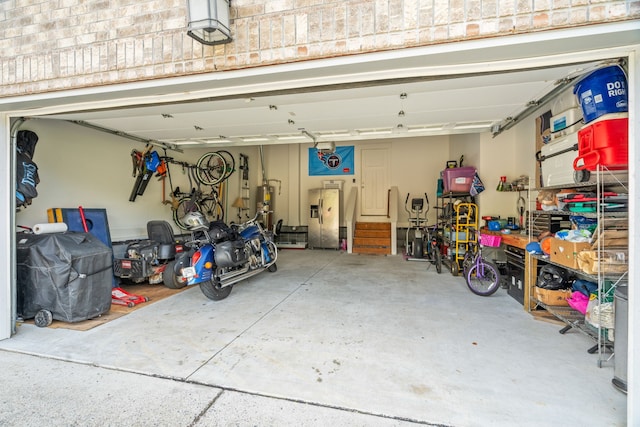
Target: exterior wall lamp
208,21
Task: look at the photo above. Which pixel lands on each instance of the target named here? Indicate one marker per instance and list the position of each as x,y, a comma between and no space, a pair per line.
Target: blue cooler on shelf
602,91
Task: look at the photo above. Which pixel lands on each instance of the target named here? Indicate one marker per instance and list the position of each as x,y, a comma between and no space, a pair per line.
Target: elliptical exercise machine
425,243
415,237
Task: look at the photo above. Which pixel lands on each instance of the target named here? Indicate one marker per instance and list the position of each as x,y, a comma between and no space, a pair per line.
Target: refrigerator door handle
321,211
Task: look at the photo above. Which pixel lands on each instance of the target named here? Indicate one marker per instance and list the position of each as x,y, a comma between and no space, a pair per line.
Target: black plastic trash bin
620,343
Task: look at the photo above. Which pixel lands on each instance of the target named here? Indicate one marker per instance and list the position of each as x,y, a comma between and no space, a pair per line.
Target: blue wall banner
339,162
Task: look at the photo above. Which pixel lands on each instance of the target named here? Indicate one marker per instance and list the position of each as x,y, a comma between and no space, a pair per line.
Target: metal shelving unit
604,240
458,226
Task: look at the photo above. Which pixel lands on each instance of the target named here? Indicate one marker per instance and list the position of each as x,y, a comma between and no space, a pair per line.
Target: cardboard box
557,298
565,253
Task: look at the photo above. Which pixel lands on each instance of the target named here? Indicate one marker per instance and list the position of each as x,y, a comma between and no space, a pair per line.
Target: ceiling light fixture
431,128
334,134
375,132
291,137
208,21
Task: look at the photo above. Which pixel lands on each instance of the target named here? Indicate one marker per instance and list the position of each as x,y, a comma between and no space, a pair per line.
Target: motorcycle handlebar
252,220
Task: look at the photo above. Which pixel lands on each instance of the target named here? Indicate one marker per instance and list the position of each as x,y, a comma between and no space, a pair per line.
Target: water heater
266,196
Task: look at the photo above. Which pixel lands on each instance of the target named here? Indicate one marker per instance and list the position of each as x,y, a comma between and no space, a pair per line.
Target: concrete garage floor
329,339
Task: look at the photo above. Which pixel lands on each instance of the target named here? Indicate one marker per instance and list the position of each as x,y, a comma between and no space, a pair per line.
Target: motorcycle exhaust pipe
235,278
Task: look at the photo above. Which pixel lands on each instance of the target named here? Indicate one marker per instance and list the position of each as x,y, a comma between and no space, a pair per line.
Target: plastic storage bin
458,180
490,240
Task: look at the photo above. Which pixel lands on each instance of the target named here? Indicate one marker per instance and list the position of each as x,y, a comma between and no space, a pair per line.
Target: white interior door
375,180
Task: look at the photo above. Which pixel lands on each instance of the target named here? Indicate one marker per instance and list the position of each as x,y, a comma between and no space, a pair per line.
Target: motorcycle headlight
256,244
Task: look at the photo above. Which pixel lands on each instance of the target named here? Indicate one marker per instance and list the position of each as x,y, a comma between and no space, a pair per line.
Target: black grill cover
69,274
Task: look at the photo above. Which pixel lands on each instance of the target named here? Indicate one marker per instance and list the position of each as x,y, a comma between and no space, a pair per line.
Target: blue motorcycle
220,255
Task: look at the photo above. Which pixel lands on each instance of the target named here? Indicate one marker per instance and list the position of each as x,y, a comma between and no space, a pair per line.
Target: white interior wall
416,166
496,160
84,167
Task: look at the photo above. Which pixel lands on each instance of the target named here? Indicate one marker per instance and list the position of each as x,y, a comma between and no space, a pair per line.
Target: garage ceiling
391,108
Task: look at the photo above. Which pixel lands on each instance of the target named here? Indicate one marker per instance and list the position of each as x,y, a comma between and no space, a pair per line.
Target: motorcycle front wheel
213,291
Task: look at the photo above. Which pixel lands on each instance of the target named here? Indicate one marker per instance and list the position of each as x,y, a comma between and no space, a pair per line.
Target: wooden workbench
514,239
530,263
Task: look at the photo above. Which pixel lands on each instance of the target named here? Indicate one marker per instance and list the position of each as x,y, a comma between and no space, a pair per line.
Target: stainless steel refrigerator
324,218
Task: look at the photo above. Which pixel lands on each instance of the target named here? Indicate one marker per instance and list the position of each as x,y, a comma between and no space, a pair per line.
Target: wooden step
371,241
373,226
372,238
371,251
373,233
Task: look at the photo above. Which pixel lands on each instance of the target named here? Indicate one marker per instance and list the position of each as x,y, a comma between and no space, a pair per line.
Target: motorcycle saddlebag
219,231
230,253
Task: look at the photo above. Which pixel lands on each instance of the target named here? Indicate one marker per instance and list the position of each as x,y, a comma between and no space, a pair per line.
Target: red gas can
604,142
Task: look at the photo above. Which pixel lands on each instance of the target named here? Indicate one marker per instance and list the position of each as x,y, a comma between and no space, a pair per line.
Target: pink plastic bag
578,301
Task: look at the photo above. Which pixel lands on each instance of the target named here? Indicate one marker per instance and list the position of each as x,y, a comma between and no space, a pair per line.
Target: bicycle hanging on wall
211,170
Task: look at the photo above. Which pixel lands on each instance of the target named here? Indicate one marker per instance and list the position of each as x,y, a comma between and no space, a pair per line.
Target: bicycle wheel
437,258
483,278
212,209
211,168
467,262
418,248
230,161
184,206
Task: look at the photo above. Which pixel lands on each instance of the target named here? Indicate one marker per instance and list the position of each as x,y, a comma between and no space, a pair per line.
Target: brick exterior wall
49,45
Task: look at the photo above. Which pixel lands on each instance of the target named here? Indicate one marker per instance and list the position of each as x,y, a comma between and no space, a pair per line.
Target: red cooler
604,142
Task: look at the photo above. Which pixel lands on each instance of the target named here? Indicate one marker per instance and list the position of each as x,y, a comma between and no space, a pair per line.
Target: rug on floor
154,293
